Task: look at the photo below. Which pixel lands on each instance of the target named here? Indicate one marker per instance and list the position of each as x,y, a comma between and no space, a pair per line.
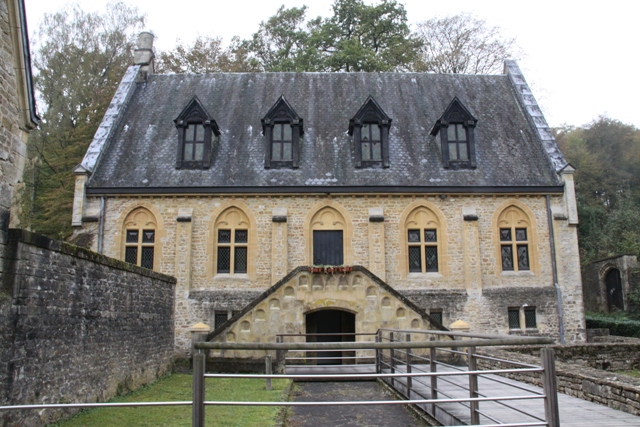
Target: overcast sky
579,55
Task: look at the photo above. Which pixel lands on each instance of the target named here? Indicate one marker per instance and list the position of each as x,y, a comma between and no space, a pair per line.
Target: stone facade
16,117
469,286
76,326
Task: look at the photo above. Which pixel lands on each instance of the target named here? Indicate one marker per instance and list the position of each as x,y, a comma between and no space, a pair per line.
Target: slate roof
141,151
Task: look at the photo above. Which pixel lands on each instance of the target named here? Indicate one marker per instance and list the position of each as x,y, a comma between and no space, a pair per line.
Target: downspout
101,225
554,268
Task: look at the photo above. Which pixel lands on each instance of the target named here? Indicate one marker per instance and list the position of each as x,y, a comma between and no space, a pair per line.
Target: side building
17,114
440,197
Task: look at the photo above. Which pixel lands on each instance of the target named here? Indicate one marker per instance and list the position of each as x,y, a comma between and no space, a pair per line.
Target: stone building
447,194
609,284
17,108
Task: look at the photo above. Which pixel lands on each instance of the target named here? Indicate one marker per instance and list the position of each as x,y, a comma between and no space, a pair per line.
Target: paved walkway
348,416
574,412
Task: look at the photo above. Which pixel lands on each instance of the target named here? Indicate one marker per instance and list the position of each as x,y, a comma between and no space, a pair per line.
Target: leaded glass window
139,247
530,318
423,250
518,247
514,318
232,251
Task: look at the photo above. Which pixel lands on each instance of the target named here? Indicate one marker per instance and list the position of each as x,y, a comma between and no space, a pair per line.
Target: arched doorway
331,322
614,290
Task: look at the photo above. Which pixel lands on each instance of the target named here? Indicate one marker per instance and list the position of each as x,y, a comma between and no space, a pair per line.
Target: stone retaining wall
76,326
577,379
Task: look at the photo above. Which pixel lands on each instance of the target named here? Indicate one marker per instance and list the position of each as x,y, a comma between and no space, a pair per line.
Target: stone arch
328,215
232,214
127,216
423,215
514,214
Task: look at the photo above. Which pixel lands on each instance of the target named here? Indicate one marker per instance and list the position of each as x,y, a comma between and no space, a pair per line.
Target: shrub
617,324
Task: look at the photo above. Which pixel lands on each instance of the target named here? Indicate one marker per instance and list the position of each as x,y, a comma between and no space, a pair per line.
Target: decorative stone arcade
306,302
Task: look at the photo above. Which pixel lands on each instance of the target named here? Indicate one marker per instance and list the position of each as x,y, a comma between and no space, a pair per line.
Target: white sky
580,56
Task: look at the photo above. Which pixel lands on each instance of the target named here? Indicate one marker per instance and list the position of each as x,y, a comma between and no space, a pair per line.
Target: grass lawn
177,387
635,373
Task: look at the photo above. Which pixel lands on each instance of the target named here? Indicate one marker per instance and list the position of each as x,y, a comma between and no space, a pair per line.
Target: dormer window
371,142
456,128
193,143
282,129
281,143
370,131
196,130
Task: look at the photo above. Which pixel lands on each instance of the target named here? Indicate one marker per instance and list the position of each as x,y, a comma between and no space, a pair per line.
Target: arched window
327,228
232,242
140,238
514,235
422,231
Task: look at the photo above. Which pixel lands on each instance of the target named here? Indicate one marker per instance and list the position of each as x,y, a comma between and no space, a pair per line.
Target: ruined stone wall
594,281
470,284
76,326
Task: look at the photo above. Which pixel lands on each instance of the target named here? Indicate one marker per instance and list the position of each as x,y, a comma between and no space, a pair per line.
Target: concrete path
348,416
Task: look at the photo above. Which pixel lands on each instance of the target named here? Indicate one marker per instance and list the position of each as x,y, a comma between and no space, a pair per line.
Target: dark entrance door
331,322
327,247
614,290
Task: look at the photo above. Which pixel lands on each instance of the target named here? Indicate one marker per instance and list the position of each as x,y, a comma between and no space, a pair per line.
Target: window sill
525,273
230,276
430,275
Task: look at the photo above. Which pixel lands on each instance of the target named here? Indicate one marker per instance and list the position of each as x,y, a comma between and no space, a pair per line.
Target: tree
606,155
358,37
79,62
282,41
206,55
462,44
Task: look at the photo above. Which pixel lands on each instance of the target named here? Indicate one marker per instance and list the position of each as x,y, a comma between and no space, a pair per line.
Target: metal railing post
550,387
434,379
473,386
197,417
280,357
267,371
408,368
379,353
392,360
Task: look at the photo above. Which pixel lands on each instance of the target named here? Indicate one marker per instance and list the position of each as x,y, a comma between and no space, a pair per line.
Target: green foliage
177,387
606,154
79,62
617,323
358,37
206,55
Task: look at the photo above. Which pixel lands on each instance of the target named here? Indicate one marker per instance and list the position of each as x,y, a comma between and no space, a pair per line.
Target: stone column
199,333
183,247
279,253
471,251
377,263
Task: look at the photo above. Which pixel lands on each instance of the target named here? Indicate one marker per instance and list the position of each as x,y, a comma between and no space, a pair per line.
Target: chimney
143,55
